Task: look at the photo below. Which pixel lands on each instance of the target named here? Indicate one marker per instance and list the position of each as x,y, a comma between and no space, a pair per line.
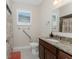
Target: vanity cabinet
49,55
62,55
48,51
41,52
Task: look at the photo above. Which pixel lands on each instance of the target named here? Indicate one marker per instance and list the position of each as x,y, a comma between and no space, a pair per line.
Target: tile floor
27,54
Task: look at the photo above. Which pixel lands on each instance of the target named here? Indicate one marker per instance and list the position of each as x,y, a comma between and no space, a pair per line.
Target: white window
24,17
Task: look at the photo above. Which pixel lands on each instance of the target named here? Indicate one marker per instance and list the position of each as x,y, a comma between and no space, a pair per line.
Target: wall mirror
55,20
62,21
66,24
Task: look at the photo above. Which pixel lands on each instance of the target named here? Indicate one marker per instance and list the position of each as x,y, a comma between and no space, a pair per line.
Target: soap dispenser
51,35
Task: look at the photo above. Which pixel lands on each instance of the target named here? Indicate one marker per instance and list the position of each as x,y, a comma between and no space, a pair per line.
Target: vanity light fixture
55,2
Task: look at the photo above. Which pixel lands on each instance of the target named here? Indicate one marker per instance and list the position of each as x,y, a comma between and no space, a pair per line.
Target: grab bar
27,34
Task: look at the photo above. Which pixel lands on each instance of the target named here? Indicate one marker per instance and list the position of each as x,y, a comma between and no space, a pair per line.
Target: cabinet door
41,51
49,55
63,55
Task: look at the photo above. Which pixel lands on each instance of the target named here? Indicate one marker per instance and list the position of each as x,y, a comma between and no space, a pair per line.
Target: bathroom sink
52,40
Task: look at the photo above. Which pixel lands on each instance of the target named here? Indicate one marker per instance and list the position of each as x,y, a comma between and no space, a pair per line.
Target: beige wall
45,17
20,39
66,9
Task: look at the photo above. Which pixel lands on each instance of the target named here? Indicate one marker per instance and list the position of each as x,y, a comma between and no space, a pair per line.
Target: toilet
34,47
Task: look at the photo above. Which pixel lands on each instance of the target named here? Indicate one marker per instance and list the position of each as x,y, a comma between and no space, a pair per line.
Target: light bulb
56,2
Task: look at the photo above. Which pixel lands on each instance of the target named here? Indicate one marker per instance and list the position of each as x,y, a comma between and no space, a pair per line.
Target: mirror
55,21
66,24
61,19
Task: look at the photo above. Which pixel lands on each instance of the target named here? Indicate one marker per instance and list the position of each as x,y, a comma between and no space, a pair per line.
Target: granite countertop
62,45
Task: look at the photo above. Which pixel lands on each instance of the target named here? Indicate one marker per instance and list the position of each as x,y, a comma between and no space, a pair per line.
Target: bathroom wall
66,9
45,17
20,39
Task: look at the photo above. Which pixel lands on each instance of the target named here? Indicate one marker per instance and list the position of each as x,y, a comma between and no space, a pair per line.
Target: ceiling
33,2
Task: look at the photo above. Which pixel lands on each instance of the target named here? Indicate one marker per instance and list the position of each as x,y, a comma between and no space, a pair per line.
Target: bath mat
15,55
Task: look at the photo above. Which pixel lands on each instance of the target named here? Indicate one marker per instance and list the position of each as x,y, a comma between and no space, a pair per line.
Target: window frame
23,23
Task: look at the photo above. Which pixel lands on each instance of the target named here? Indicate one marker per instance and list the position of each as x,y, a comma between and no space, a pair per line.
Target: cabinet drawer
62,55
48,46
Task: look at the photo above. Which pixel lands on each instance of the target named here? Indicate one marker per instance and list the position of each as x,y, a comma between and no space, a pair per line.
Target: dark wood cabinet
41,52
48,51
49,55
62,55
